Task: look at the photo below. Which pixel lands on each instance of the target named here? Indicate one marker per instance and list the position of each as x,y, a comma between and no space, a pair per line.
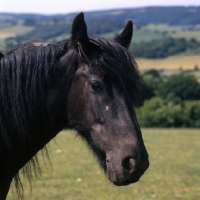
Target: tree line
165,47
170,101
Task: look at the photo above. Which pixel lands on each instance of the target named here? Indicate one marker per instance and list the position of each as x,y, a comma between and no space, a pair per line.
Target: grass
174,172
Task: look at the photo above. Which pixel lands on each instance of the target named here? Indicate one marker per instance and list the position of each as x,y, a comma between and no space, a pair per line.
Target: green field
173,31
174,172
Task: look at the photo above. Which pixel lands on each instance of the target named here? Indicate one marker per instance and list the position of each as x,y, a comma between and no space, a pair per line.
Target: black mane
122,67
25,72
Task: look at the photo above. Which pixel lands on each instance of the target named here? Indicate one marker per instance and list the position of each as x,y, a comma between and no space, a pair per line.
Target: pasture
186,32
174,172
172,65
14,31
149,32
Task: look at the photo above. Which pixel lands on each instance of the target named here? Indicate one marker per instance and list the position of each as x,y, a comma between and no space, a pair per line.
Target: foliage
149,83
157,112
185,87
170,101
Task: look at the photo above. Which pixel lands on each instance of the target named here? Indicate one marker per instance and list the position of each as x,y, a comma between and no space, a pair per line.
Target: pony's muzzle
126,170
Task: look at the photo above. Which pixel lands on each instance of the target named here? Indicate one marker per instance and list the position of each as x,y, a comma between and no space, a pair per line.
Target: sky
69,6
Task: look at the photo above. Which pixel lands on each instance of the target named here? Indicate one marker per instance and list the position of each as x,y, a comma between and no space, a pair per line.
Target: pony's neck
33,105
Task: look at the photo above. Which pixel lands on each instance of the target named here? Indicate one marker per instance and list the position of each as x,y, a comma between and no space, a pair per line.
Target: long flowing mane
25,72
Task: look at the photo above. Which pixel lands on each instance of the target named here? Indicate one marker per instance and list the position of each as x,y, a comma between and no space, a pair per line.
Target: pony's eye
96,86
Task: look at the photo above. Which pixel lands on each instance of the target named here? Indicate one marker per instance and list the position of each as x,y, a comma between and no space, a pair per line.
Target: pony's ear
125,37
79,34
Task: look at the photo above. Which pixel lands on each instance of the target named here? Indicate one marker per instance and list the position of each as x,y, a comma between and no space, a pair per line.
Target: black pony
89,83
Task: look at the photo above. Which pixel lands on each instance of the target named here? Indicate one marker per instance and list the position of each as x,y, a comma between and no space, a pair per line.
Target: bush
149,83
185,87
157,112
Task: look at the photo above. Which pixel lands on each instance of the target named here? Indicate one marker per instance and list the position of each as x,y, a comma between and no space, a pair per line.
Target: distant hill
174,22
144,15
153,15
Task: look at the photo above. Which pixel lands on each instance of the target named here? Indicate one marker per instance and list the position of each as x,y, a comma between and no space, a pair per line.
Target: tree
149,82
158,112
185,87
163,47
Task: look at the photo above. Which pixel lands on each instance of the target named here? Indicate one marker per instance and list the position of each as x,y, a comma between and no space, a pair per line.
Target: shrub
157,112
185,87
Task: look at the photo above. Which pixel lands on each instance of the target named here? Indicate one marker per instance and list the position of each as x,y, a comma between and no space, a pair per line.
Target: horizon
95,10
60,7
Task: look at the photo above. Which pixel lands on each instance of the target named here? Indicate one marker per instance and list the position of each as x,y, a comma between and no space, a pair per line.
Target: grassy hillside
158,31
151,23
174,172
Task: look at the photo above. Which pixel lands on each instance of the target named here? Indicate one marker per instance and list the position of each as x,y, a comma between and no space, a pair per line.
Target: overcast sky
68,6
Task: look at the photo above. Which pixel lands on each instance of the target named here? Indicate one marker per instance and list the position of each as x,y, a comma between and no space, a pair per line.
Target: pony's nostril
129,164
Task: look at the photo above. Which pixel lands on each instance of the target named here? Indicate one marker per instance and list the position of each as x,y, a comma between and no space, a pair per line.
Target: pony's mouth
122,179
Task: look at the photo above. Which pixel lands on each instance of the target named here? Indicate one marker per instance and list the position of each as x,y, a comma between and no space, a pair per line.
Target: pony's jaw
123,163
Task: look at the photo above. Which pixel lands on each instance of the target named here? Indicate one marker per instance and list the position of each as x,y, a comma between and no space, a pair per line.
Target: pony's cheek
98,134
